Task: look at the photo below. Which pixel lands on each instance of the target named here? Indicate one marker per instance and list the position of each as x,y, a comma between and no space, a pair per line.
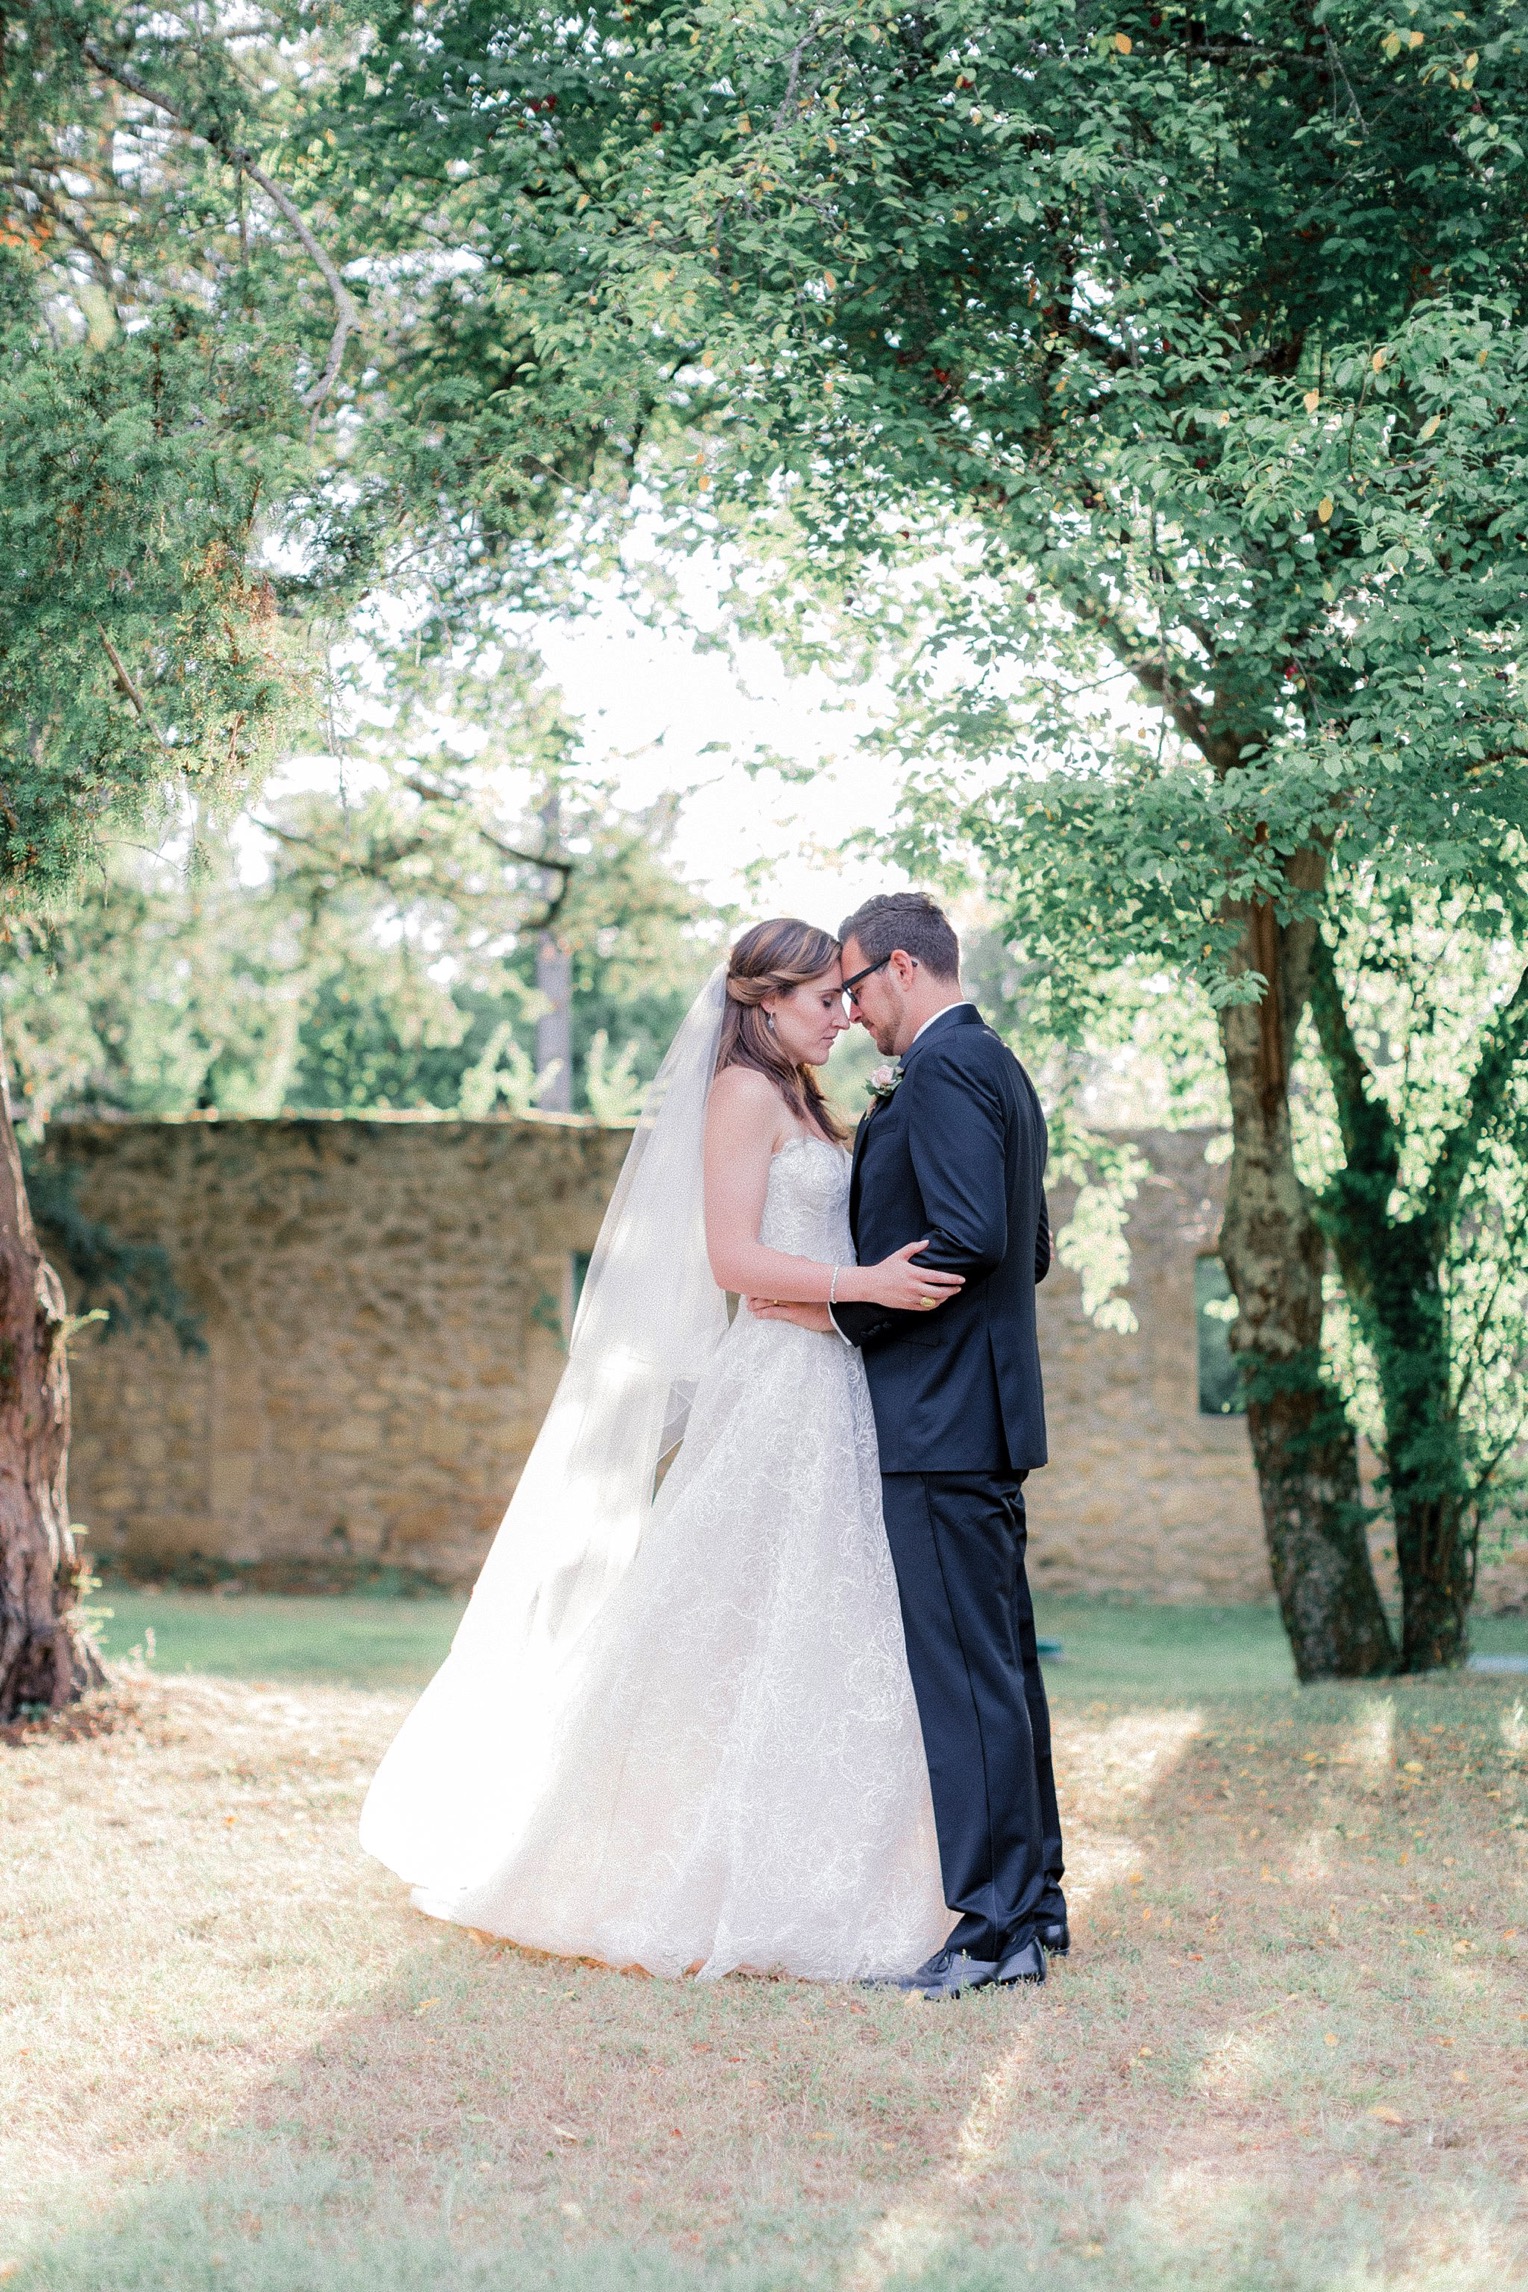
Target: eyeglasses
850,984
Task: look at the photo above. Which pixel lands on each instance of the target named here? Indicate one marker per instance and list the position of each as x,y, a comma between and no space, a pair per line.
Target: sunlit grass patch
1288,2054
355,1641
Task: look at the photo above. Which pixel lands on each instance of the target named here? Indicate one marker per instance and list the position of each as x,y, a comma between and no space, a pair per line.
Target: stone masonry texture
385,1302
384,1305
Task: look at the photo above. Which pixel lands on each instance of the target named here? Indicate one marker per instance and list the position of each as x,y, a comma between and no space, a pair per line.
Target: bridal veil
446,1807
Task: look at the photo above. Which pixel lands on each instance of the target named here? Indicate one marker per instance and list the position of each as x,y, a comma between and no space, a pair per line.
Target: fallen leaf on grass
1388,2116
563,2132
424,2006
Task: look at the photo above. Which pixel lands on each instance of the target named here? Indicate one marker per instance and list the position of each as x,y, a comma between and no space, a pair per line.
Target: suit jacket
957,1153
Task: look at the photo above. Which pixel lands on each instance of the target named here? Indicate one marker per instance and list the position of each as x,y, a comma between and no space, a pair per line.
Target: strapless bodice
806,1210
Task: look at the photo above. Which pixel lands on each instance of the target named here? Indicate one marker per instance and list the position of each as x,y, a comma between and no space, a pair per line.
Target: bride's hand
804,1316
909,1288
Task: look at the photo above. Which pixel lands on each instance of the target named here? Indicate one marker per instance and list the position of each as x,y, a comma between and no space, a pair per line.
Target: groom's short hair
909,920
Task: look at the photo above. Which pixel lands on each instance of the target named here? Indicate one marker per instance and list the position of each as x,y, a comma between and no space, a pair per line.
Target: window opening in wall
1220,1382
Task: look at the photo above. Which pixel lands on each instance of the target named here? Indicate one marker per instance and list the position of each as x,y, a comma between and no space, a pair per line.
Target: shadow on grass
1247,2081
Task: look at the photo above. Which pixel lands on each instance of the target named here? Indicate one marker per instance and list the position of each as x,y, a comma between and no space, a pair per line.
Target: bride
676,1728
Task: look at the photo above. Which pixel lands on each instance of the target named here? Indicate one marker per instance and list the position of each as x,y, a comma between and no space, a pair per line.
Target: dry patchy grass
1288,2055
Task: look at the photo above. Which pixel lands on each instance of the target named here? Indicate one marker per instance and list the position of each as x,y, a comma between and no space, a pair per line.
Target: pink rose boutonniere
883,1082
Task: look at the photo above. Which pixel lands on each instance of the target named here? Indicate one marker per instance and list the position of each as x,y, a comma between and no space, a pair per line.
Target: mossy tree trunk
1392,1257
44,1659
1303,1445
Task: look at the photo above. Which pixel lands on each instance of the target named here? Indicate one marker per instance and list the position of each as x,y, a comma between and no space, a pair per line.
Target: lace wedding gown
739,1780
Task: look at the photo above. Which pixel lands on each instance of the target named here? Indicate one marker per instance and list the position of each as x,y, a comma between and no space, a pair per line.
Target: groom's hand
805,1316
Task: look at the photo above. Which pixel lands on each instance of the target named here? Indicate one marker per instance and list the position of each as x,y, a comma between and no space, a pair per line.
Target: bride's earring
769,1021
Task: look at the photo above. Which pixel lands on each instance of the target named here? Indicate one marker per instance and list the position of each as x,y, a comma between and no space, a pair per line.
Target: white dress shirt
965,1004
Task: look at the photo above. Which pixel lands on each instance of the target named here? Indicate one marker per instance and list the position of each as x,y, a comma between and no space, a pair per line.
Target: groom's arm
860,1323
957,1136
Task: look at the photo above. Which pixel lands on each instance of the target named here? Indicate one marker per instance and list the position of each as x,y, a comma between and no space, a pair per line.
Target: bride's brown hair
770,960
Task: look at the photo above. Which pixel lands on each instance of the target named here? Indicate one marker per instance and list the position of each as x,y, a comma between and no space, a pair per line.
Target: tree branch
1362,1115
1110,241
434,795
1152,671
793,76
128,689
1505,1042
1357,1202
377,865
346,309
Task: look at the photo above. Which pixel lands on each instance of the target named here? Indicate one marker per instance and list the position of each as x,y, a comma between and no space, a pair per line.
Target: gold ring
929,1303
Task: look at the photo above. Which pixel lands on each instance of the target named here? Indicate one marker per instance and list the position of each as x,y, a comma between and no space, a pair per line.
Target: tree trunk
1436,1557
1303,1446
1391,1268
554,1028
554,980
43,1657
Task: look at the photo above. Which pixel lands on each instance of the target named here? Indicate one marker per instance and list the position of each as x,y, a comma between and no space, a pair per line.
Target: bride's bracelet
833,1285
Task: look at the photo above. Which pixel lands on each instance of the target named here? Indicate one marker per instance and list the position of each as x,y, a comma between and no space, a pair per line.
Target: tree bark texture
1304,1448
554,1028
1392,1270
44,1659
554,980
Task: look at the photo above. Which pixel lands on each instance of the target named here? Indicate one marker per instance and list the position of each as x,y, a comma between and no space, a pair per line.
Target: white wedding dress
731,1775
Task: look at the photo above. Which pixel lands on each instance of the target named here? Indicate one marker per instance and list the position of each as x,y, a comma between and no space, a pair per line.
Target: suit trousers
957,1542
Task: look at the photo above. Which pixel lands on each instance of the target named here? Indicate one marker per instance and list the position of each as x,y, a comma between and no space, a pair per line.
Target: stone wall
1143,1495
384,1303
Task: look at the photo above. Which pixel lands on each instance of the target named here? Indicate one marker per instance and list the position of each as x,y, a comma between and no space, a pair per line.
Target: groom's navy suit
957,1153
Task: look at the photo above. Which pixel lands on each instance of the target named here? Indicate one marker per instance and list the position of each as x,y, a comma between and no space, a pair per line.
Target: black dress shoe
1026,1964
1054,1938
946,1974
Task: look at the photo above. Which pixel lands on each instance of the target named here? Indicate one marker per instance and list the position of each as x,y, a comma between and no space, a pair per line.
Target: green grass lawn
1289,2051
1109,1649
351,1642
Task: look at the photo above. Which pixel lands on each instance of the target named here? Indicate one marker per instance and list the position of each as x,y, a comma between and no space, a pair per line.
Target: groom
953,1147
